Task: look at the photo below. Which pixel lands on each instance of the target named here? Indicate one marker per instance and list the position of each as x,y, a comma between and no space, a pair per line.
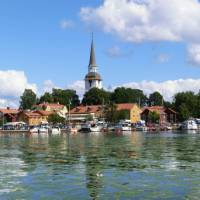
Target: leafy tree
155,99
65,97
28,99
168,104
154,117
46,97
128,95
96,96
184,113
122,114
110,111
55,118
187,104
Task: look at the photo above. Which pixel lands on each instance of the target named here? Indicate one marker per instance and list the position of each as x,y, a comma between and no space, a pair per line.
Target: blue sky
33,41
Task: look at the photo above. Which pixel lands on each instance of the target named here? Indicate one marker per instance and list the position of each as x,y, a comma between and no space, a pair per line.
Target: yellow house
53,107
134,111
33,118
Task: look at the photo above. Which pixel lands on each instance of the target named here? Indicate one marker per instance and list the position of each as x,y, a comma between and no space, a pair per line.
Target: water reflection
99,166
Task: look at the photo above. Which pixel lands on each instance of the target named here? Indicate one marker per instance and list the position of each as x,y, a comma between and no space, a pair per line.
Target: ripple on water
143,166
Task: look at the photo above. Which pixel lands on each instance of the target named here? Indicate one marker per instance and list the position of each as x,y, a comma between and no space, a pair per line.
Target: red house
166,115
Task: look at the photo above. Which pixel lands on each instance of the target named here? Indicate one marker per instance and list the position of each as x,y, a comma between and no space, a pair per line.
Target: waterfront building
8,114
82,113
30,118
166,115
93,78
58,108
33,118
133,110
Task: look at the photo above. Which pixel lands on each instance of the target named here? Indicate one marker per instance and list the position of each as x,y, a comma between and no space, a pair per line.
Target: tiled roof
43,112
86,109
125,106
158,109
31,114
52,105
97,108
9,111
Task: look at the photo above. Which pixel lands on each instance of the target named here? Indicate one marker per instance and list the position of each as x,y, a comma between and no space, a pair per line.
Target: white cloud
148,20
162,58
12,85
79,86
114,51
66,24
48,85
167,88
194,54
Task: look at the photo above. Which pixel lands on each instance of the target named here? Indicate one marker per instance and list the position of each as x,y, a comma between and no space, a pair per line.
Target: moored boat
124,125
189,125
55,130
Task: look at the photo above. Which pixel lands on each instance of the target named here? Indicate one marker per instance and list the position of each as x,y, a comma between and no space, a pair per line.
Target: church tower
93,78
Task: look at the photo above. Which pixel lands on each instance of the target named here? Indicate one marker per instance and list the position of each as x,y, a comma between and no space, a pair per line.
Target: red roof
9,111
43,112
98,108
125,106
31,114
52,105
158,109
86,109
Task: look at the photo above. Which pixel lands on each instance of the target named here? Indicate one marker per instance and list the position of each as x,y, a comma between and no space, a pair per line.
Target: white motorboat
124,125
189,125
140,126
43,130
34,129
91,127
55,130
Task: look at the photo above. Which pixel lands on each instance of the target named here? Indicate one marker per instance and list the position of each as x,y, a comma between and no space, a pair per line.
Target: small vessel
189,125
124,125
72,129
34,129
140,126
108,127
91,127
55,130
43,130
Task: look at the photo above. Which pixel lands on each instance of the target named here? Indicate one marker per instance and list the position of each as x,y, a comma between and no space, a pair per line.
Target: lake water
98,166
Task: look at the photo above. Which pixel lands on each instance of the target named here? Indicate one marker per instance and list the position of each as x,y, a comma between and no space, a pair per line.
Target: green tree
122,114
55,118
110,112
154,117
28,99
156,99
46,97
66,97
184,113
96,96
187,105
128,95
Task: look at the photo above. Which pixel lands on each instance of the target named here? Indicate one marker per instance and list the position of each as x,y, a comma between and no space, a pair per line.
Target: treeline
187,104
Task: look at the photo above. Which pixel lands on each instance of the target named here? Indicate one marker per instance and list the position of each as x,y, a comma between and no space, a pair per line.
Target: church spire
92,55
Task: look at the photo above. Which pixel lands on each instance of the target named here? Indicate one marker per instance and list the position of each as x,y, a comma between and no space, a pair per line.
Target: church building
93,78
